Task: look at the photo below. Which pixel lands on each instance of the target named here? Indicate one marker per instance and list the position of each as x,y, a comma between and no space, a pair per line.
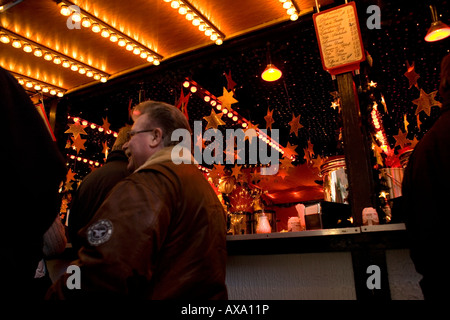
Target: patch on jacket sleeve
99,232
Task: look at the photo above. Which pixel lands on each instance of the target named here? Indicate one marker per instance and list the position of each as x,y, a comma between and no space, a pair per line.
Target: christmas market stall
303,112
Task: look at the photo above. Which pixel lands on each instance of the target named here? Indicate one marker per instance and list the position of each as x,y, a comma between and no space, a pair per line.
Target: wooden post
357,151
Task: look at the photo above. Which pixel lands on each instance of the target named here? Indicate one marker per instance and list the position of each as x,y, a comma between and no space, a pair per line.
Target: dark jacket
161,234
33,169
93,190
426,194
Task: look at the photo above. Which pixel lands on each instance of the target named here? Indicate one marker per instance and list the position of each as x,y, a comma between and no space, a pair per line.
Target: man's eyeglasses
131,134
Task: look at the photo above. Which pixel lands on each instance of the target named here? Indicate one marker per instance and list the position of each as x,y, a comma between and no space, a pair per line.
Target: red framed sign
339,38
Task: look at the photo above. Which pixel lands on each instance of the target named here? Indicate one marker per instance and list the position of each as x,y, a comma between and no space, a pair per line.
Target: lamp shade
271,73
437,31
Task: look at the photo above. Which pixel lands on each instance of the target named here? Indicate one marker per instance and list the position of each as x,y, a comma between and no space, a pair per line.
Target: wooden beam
356,148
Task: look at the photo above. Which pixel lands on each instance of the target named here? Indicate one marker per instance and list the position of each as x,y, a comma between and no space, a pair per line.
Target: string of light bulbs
41,51
38,85
98,26
198,20
291,9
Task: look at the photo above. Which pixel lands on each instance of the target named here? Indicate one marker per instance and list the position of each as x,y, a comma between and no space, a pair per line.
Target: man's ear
157,138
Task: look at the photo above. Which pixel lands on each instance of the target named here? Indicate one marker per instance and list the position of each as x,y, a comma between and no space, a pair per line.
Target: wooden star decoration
400,139
230,83
70,175
105,124
286,164
295,125
289,151
227,99
426,101
411,75
269,119
214,120
414,142
78,143
316,163
236,171
76,129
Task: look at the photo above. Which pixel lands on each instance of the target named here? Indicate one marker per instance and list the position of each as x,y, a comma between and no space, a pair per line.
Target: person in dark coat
33,170
95,187
426,190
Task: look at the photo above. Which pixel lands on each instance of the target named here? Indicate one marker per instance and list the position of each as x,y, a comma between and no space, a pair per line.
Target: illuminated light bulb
16,44
290,11
175,4
113,37
196,22
100,129
97,76
244,125
93,126
230,115
53,92
287,4
202,27
207,98
97,164
65,64
225,110
74,67
150,59
45,89
57,60
182,10
4,38
29,84
235,118
84,122
121,42
129,46
27,47
91,162
76,17
213,102
82,70
219,41
96,28
219,107
37,87
293,17
189,16
208,32
89,74
105,33
136,50
60,94
86,22
193,89
37,52
21,81
85,160
186,84
271,73
167,0
79,158
156,62
103,79
213,37
143,55
48,56
65,11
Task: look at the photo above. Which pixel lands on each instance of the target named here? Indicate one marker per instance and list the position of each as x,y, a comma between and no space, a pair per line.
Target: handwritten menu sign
339,38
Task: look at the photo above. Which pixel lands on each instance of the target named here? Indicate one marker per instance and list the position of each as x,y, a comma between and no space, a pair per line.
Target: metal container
393,178
335,181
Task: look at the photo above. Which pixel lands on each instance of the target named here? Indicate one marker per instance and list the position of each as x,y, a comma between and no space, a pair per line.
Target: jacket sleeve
122,241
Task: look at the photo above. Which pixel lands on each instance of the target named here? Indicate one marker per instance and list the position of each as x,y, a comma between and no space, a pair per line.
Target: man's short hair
163,115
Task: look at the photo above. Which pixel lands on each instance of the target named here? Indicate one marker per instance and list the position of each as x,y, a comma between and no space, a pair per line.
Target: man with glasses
161,234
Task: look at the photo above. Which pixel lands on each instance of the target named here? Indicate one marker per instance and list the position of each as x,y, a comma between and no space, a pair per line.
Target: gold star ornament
426,101
214,120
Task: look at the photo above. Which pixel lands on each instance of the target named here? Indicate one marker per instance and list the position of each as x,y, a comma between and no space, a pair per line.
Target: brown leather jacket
161,234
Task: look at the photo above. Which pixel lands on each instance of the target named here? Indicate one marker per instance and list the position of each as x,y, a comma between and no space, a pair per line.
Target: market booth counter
314,250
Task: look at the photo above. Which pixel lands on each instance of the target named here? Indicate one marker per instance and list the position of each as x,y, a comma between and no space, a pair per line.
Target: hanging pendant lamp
438,29
271,73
